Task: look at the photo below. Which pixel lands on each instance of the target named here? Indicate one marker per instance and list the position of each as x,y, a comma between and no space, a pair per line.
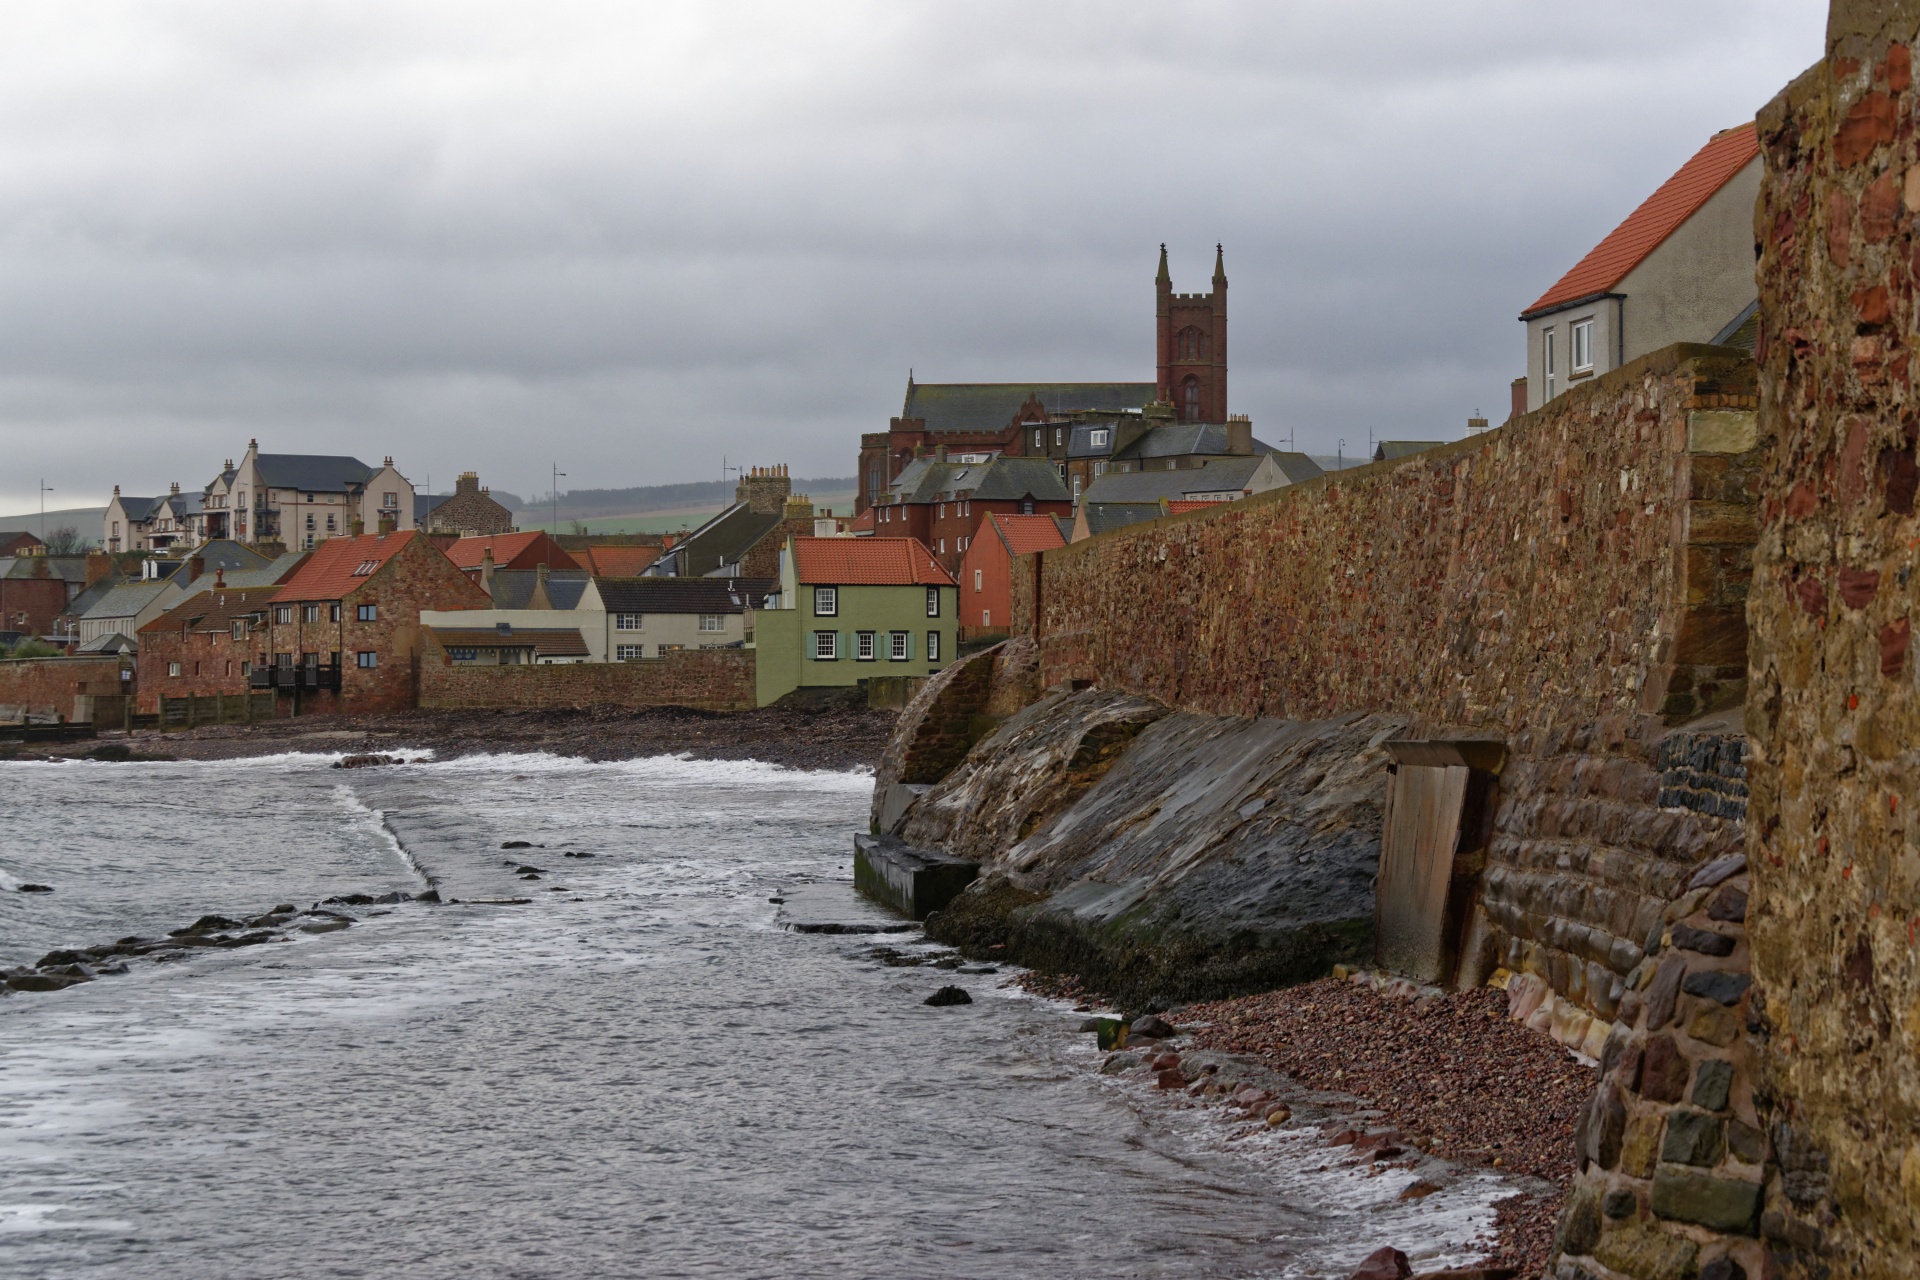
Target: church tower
1191,345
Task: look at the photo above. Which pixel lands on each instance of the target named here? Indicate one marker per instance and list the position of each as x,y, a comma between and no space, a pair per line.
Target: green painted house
849,609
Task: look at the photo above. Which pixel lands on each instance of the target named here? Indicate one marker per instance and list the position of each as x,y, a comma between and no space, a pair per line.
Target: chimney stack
486,569
1518,391
196,567
1240,436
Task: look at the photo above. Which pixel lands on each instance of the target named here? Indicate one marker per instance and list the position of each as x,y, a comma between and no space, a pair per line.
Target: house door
1432,844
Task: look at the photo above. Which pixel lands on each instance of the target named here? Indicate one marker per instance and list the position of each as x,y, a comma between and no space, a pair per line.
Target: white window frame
933,646
629,652
626,622
309,613
173,670
826,602
1547,371
863,647
712,622
1580,339
1097,438
976,580
899,646
826,646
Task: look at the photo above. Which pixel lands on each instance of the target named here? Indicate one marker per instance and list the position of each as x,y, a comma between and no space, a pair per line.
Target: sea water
638,1072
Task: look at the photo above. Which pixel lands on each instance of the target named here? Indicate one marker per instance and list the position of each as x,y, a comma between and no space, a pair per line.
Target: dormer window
1098,437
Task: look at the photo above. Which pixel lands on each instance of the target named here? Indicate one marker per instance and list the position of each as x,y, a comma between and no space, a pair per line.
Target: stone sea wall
706,679
48,687
1572,583
1834,714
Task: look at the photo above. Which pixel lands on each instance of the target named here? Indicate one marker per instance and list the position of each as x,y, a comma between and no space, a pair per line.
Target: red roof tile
1026,534
868,562
339,565
865,521
616,561
1658,217
469,552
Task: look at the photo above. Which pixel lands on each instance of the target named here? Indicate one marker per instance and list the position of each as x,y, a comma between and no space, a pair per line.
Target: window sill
1580,375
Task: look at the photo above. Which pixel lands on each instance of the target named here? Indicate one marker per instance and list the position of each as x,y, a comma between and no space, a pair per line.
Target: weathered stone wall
1834,716
1573,583
706,679
48,687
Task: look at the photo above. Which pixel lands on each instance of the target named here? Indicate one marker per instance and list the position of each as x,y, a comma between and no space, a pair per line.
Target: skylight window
365,567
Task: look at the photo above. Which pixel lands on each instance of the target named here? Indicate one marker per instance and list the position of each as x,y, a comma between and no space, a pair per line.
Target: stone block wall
48,687
1573,583
1834,715
705,679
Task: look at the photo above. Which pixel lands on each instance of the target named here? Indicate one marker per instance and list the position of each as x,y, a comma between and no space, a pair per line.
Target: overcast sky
634,238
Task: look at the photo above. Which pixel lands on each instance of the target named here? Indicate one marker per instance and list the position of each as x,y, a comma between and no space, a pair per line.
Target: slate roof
1216,475
725,539
1186,439
424,503
546,642
1065,525
65,568
1103,517
1023,535
867,562
1003,479
339,565
1080,439
1388,450
683,595
80,604
138,509
112,642
274,571
312,472
126,599
991,406
1743,331
1659,216
513,588
220,553
1297,467
213,610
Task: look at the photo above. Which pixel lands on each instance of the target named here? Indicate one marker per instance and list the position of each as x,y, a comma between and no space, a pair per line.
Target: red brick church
1190,385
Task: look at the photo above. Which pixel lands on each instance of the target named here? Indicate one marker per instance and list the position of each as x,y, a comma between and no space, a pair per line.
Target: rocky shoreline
829,734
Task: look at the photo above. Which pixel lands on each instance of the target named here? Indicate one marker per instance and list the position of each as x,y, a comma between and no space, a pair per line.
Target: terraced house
850,609
344,632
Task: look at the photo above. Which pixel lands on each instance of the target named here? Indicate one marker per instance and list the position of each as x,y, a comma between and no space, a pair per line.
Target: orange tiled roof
468,552
339,565
864,522
1176,505
1026,534
1658,217
616,561
868,562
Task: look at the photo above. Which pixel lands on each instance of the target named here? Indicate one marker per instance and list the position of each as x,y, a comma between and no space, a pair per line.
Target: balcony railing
292,678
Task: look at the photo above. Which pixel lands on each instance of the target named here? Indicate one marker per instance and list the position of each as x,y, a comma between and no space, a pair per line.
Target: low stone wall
65,687
706,679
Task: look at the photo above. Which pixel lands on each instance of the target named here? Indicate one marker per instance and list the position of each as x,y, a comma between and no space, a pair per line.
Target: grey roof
314,472
275,570
1297,467
1065,525
991,406
138,508
1388,450
78,606
1743,331
684,595
66,568
424,503
722,540
112,642
1080,439
219,553
1003,479
513,588
1186,439
1213,476
1105,516
127,599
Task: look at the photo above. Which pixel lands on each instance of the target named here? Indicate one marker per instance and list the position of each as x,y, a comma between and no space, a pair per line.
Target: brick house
343,632
203,646
943,500
986,573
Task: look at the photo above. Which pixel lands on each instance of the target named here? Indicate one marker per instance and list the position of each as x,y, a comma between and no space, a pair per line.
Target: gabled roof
79,606
867,562
1080,438
213,610
274,571
112,642
513,588
313,472
218,553
1297,467
1186,439
64,568
1002,479
866,522
991,406
723,540
424,503
339,565
616,560
1105,516
1658,217
1023,535
127,599
469,553
1215,475
546,642
683,595
137,509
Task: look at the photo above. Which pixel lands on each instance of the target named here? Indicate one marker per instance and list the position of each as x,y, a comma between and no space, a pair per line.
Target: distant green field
672,521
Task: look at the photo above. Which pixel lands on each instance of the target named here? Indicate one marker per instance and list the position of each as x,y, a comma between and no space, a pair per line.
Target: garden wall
706,679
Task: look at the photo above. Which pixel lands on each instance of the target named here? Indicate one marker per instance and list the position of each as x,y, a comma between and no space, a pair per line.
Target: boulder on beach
1385,1263
205,924
949,995
35,888
1154,1027
517,844
324,926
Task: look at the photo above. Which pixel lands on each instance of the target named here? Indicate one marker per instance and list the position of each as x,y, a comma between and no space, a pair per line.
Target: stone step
914,882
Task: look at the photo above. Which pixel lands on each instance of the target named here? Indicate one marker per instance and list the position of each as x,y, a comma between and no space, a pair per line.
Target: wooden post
126,712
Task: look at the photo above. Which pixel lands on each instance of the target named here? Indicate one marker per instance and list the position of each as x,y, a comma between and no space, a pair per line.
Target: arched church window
1190,399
